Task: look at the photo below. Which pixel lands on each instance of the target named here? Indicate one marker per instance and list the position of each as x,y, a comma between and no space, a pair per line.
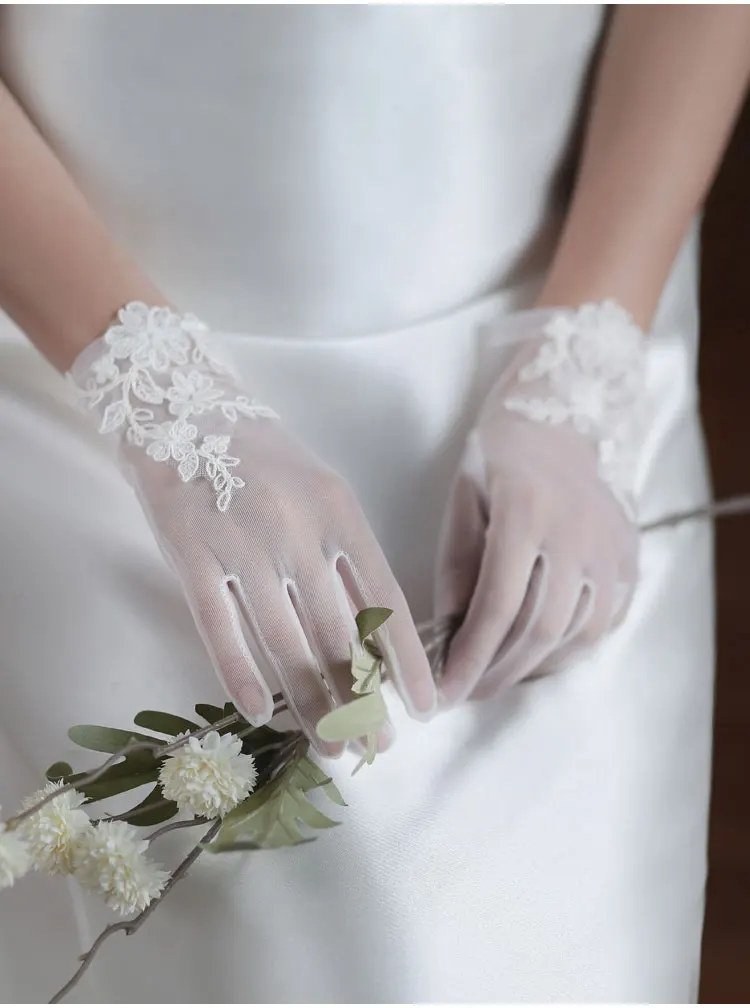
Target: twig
158,748
719,509
182,824
130,927
263,749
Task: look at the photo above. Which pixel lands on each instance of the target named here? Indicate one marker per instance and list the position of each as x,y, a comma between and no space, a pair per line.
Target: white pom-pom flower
207,777
52,834
14,857
110,861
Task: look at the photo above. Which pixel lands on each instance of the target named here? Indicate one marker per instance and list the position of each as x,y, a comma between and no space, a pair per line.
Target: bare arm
62,277
669,88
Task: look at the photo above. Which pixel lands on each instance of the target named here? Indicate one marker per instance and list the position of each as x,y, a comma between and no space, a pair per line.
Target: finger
283,654
625,589
506,568
327,618
528,647
595,627
583,611
368,581
584,608
461,542
218,621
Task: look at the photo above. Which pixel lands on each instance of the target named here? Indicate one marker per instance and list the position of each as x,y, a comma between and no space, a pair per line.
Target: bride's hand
273,550
539,547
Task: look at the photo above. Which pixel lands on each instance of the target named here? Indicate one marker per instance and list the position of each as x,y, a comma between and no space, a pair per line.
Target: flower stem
182,824
131,926
158,748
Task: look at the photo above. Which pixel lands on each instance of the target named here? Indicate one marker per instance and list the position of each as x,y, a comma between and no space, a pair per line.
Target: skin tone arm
62,277
670,84
669,88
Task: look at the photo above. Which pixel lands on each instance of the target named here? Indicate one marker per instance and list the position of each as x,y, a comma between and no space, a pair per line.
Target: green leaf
227,848
108,740
110,784
244,845
123,776
370,753
58,771
209,713
270,818
312,816
265,735
213,714
372,649
370,620
167,724
314,777
366,672
332,792
364,716
154,809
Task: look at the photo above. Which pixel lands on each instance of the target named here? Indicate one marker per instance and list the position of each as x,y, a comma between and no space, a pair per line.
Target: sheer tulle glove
539,549
272,548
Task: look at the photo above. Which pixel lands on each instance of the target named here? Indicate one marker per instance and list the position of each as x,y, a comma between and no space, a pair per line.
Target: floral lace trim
168,362
592,365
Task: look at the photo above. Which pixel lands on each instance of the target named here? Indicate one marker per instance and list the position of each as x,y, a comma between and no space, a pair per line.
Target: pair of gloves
538,556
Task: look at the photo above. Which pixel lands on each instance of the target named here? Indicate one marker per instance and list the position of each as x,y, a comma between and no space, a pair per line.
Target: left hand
539,547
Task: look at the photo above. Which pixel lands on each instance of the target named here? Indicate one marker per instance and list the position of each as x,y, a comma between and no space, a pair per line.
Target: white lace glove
272,548
539,547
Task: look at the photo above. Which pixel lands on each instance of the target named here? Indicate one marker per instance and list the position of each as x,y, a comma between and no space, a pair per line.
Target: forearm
62,277
669,87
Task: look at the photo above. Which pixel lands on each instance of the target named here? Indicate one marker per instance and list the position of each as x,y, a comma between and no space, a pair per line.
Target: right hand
273,550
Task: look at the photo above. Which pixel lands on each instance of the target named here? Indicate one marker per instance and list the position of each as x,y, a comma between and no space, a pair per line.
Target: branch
182,824
739,504
157,748
130,927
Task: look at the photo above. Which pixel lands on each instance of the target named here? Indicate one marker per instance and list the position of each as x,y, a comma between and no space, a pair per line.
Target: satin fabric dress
356,195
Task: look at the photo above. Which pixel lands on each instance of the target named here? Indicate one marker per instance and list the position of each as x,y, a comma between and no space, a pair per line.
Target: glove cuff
158,381
589,371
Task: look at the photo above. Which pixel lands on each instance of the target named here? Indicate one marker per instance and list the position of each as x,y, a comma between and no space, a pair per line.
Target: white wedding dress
355,193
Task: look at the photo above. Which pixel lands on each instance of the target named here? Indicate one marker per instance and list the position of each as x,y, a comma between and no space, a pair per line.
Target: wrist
585,369
161,384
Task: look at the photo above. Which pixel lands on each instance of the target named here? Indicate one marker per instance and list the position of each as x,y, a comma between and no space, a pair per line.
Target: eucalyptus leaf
58,771
108,740
167,724
370,620
372,648
370,753
366,672
351,721
269,818
154,809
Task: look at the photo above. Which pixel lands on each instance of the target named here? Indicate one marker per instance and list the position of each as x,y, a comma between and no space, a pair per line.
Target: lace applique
158,372
591,374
